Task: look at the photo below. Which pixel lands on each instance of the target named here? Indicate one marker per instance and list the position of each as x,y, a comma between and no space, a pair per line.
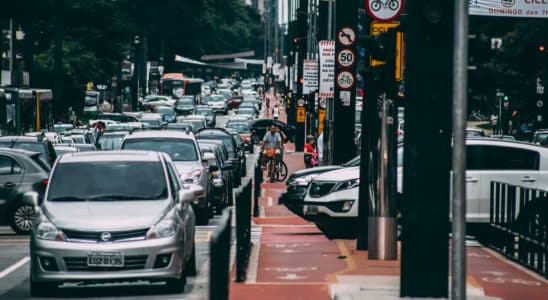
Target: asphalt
14,281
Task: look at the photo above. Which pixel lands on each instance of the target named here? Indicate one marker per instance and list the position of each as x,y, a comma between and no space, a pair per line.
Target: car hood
105,215
316,170
339,175
184,167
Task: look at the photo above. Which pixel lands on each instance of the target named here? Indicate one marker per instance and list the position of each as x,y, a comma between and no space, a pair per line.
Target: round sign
345,80
346,58
384,10
540,103
346,36
323,103
300,102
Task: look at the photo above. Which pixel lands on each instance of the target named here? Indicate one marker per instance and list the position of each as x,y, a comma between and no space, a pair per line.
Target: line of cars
328,195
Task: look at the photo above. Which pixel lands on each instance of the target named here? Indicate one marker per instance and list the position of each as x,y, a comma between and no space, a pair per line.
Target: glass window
8,166
177,149
480,157
33,147
108,181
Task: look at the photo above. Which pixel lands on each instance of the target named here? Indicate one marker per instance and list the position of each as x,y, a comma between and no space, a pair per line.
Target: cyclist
272,139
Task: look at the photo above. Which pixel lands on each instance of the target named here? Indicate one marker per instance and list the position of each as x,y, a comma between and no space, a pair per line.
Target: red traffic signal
541,48
296,40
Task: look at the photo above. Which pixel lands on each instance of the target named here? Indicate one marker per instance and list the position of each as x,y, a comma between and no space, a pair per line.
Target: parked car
99,221
20,171
221,176
244,134
260,126
185,105
111,140
183,149
34,144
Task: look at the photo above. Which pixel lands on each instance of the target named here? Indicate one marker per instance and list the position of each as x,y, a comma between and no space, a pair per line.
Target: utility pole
302,18
330,113
58,73
12,52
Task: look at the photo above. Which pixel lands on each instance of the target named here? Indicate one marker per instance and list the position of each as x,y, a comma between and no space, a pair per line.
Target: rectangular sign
321,120
301,114
376,27
310,76
327,69
509,8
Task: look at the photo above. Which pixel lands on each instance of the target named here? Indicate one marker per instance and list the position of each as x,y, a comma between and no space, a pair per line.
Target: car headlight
345,185
192,177
304,181
47,231
165,228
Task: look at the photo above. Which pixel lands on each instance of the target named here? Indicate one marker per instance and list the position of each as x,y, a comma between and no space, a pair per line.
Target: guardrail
219,268
519,225
243,228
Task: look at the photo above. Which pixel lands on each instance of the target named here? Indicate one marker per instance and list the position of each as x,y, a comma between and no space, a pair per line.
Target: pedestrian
319,147
275,112
310,152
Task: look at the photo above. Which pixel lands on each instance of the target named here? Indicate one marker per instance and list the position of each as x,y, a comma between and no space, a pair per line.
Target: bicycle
276,168
391,4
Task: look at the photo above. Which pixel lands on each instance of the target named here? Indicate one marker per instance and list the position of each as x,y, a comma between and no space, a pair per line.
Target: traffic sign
300,102
345,80
346,36
377,28
399,56
384,10
346,58
301,115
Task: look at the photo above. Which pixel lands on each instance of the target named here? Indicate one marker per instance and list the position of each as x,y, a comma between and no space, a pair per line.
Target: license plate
106,259
311,209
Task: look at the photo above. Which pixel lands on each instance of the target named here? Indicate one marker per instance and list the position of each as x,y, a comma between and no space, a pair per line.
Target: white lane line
262,212
14,267
270,201
254,260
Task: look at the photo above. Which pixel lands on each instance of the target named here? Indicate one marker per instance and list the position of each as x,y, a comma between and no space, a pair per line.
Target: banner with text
509,8
327,69
310,76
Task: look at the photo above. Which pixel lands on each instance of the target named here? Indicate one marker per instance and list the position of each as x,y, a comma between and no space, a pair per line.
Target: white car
331,200
490,160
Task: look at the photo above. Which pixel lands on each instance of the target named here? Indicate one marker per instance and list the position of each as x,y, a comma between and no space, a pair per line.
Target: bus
176,85
24,110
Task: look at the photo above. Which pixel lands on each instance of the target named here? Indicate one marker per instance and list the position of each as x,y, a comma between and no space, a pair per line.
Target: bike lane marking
14,267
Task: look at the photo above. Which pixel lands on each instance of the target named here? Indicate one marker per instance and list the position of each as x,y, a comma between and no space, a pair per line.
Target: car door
475,156
509,164
11,176
184,211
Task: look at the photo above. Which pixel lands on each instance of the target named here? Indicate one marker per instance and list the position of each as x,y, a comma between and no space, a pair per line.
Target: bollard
257,180
219,268
243,229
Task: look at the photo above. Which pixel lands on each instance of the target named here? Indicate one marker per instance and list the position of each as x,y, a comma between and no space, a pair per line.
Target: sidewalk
292,259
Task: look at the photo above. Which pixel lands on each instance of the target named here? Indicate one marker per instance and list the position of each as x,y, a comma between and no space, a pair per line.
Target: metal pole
330,118
458,246
12,52
500,115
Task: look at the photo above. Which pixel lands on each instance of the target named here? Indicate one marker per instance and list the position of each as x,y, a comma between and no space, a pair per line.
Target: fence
243,228
519,224
219,269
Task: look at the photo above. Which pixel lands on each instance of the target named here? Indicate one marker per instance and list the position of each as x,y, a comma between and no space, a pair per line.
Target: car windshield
541,137
108,181
238,127
163,110
177,149
151,122
216,98
227,140
111,141
196,124
204,112
29,146
246,111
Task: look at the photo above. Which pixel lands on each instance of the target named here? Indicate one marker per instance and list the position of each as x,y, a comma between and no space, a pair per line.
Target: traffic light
541,48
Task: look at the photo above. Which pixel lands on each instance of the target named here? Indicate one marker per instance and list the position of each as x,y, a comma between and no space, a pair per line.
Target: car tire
177,285
43,289
191,263
22,218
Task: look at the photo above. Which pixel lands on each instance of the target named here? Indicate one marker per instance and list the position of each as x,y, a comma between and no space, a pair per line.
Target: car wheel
177,285
22,219
191,263
42,289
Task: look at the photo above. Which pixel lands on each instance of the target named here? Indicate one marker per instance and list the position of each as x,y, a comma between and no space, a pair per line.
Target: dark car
244,134
231,147
185,105
21,171
33,144
297,184
208,113
168,114
222,177
260,126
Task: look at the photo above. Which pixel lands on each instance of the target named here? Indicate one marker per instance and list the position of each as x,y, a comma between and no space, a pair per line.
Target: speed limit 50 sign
346,58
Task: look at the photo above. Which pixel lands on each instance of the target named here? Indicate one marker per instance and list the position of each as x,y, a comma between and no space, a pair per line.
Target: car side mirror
207,157
213,168
31,199
186,196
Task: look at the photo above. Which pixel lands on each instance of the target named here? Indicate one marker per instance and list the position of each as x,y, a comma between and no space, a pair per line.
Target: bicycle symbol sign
345,80
384,10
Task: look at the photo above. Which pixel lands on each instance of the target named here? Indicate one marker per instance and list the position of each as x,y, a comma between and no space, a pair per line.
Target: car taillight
45,181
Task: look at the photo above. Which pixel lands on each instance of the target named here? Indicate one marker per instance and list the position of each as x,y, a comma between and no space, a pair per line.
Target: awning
232,66
187,60
250,61
227,56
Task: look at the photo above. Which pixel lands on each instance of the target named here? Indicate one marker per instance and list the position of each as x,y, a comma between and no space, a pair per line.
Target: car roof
161,134
97,156
19,138
498,142
18,151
